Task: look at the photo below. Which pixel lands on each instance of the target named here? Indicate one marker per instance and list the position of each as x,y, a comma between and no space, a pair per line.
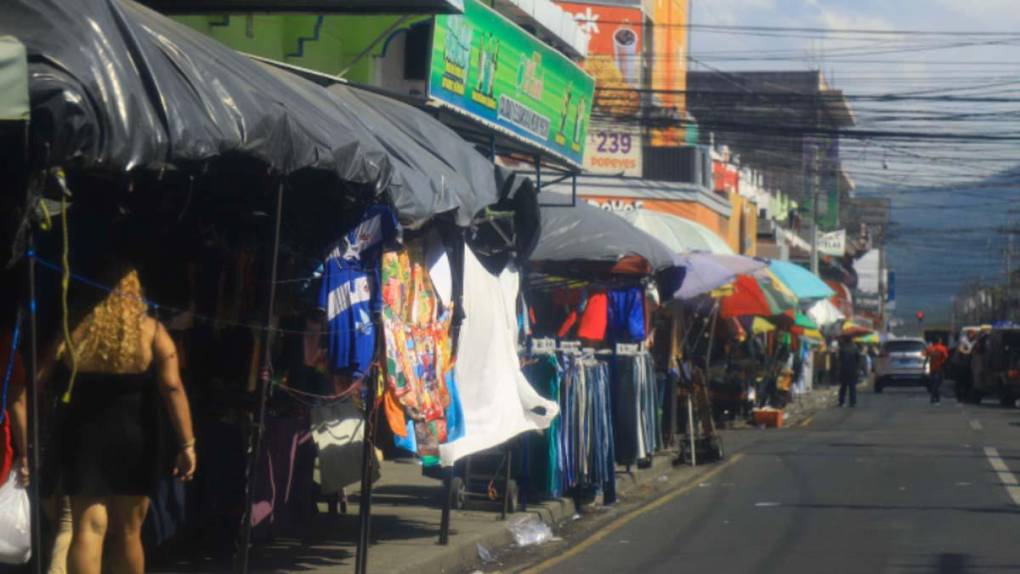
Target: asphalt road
895,485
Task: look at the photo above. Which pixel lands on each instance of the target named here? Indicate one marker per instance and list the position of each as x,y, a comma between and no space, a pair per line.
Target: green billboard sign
489,68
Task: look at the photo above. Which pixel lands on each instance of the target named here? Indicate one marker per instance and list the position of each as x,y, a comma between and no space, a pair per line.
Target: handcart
701,441
485,477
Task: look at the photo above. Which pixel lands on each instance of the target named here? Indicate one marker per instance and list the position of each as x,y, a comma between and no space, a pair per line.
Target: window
416,52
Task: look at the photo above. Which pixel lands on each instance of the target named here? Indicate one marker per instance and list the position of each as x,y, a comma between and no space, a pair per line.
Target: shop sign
617,205
613,150
489,68
833,243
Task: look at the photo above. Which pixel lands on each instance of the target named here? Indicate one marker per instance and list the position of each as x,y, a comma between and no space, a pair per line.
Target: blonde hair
109,338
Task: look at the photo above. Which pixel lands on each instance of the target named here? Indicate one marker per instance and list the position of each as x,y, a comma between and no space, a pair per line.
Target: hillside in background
943,238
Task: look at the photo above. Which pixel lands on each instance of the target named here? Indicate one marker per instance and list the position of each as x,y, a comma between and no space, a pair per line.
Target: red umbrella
747,299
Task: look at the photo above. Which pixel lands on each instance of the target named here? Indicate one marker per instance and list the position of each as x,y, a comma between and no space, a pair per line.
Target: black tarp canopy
583,233
117,87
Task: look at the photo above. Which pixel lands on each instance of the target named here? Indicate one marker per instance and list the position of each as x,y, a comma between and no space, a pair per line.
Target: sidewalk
406,511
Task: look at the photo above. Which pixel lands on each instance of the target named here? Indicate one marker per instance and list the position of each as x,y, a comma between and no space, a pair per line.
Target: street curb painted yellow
626,518
806,421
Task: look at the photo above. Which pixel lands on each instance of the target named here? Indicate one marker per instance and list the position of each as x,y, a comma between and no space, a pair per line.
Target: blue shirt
350,289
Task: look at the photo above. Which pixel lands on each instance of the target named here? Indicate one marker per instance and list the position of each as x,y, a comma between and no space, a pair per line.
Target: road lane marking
630,516
806,421
1007,478
976,425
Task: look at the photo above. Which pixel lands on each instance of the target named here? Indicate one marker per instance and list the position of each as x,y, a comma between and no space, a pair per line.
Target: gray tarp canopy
584,233
116,87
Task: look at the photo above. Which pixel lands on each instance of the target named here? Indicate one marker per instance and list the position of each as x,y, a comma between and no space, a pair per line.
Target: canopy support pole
368,395
264,381
538,173
444,521
32,389
573,190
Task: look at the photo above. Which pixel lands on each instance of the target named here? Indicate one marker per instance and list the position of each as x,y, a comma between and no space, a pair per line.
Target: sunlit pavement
894,485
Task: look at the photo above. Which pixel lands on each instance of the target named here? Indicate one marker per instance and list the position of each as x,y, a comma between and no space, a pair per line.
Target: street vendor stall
228,182
593,283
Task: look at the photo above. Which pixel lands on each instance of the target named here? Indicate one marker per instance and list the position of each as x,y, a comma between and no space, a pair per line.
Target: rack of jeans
578,451
636,402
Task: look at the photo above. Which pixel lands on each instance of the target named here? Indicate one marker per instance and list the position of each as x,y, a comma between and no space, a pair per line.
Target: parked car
901,362
995,367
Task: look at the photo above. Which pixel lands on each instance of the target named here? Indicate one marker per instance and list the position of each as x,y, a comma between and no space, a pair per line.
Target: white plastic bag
15,522
529,530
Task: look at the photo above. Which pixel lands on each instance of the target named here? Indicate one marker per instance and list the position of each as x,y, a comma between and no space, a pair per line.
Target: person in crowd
960,364
118,362
937,354
849,368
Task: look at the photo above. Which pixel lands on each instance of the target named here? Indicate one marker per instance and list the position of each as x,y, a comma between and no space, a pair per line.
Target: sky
938,183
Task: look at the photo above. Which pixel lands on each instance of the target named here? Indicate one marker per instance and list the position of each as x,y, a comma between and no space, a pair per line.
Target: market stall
593,286
237,189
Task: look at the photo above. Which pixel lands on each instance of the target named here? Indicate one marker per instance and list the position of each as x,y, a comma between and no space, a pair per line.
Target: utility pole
816,185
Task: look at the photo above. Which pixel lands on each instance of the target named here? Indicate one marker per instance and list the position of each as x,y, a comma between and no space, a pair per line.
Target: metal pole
538,173
690,426
815,195
367,454
506,482
32,389
255,437
444,523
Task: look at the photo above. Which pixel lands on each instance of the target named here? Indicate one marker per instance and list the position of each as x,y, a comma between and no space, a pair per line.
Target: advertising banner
669,67
614,59
832,243
489,68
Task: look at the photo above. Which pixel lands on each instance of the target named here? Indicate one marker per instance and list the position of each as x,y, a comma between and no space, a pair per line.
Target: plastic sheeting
427,155
117,87
587,233
498,402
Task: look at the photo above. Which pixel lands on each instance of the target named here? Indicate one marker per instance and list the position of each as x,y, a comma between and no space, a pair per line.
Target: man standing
849,370
937,354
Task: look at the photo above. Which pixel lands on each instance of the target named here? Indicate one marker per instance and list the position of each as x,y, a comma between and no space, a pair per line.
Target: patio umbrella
747,299
706,272
869,339
804,284
851,329
761,325
780,297
681,235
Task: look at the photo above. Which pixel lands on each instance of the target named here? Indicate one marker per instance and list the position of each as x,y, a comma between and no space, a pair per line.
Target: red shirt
937,353
17,378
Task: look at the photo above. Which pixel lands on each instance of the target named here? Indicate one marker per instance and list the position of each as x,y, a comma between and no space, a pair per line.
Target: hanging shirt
350,289
627,314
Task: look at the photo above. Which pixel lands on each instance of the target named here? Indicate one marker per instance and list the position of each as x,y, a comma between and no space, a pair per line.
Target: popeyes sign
613,149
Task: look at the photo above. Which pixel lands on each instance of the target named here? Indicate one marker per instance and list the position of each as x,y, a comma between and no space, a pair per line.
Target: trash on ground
529,530
483,553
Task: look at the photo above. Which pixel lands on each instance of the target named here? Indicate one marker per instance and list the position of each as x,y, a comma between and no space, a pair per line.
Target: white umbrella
679,234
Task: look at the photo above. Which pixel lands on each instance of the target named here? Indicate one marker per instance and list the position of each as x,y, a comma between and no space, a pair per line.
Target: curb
463,554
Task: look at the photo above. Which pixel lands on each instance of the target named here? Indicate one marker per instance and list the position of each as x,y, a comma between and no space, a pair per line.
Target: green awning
13,80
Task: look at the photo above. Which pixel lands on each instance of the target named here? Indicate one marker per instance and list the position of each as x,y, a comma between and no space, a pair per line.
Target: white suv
902,361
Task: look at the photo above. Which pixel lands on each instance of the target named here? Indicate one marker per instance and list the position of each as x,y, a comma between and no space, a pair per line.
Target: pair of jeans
848,386
934,387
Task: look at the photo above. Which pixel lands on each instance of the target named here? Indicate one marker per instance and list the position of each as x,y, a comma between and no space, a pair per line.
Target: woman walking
120,362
